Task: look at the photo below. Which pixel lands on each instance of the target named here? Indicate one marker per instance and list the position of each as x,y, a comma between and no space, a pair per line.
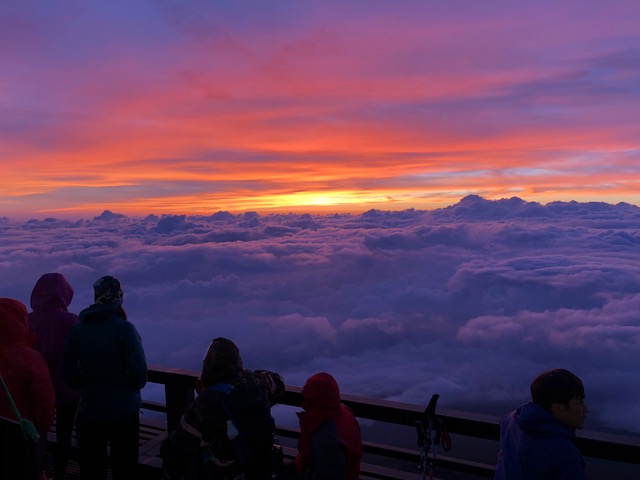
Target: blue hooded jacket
535,445
103,357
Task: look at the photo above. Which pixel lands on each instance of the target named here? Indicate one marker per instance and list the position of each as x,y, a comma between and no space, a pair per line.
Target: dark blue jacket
103,357
535,445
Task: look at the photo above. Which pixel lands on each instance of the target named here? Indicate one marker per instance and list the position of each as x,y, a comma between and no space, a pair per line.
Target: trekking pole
28,428
422,444
425,428
430,414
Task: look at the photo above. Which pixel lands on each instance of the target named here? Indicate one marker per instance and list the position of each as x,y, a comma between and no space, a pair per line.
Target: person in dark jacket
330,444
26,376
537,439
104,358
51,323
228,430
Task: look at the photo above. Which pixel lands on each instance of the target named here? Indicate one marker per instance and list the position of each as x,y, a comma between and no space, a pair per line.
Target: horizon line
320,211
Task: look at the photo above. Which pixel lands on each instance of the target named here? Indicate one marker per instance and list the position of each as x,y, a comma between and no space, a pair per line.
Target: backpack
18,453
250,427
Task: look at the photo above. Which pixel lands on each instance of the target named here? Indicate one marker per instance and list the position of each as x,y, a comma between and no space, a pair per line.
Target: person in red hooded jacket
330,444
51,323
24,372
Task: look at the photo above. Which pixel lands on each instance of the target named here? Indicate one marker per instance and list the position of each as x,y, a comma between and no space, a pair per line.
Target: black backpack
250,427
18,453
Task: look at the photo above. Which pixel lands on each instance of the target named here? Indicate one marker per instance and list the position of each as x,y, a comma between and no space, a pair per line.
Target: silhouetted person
330,444
537,439
26,376
51,323
104,358
227,432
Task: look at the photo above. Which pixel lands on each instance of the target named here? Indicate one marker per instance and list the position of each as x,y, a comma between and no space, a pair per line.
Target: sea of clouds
469,301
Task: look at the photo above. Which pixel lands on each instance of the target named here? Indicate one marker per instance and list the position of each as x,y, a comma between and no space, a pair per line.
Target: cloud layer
469,301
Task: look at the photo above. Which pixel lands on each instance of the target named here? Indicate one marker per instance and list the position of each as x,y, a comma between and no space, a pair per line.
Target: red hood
321,402
321,392
13,323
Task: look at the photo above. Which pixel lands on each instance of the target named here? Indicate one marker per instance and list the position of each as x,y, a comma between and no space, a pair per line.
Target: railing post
179,395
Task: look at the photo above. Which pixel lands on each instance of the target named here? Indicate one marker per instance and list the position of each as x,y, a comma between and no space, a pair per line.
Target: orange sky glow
327,108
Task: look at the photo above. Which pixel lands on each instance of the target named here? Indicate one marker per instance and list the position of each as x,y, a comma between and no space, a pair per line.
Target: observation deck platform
475,437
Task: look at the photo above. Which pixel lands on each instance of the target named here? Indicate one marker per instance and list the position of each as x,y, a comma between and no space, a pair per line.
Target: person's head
321,391
51,291
562,393
222,363
107,291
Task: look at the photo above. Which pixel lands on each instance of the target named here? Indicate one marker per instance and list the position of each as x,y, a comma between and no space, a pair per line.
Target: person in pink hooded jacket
51,323
24,372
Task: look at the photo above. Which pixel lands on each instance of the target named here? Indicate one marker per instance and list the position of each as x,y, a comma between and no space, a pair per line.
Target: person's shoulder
211,394
90,314
558,452
565,446
132,331
29,358
272,383
208,400
87,311
99,309
70,318
57,318
564,456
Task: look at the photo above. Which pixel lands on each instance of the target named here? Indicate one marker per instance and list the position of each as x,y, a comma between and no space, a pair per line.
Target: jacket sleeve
571,465
135,361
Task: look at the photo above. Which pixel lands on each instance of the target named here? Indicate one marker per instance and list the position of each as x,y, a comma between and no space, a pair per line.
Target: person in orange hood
24,372
330,444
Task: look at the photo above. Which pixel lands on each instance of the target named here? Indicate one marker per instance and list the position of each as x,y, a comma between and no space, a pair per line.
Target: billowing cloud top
469,301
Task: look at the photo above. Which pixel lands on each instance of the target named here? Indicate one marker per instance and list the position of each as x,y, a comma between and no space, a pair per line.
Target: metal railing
179,393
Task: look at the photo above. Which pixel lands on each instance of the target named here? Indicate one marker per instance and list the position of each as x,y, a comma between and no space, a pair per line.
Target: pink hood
51,323
51,292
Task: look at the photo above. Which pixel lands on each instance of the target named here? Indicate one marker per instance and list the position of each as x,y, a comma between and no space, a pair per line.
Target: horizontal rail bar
614,447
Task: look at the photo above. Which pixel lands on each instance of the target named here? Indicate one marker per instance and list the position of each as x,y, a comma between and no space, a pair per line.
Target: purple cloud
471,301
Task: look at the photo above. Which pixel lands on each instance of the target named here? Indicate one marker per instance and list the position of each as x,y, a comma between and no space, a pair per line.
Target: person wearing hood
537,439
51,323
330,443
26,376
228,430
104,358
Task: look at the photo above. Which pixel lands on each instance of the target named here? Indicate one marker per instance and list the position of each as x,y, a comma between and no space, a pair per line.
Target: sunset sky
335,106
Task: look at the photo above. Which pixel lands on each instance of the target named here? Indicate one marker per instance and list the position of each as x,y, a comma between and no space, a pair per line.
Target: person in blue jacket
537,439
104,359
